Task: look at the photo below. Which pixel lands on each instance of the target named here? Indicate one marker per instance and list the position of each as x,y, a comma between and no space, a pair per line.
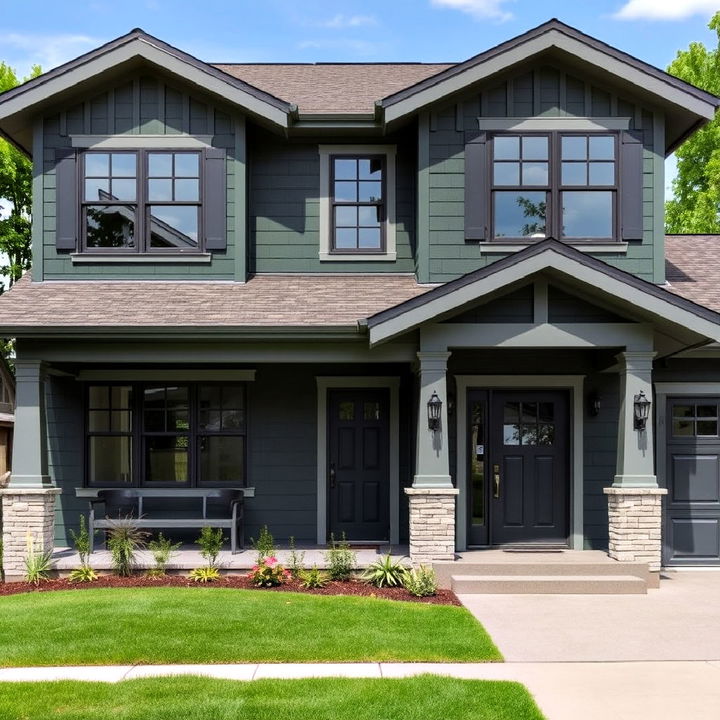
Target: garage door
692,511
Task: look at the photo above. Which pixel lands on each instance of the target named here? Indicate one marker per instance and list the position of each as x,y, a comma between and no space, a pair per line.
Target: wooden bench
123,502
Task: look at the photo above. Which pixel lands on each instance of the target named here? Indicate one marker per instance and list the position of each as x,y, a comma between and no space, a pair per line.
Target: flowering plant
269,573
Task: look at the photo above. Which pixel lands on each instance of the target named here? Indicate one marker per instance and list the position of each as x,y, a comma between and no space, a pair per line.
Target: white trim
575,383
323,385
561,122
140,258
490,248
170,375
141,141
324,253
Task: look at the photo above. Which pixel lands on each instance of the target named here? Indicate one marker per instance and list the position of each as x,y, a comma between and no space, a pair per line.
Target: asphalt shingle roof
692,268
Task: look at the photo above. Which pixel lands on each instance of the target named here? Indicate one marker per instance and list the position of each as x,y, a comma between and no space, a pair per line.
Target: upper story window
554,185
145,200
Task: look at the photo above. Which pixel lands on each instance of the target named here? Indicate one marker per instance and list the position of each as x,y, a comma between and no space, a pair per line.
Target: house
412,303
7,418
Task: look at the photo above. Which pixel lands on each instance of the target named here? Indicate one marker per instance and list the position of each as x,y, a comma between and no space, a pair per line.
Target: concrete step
516,584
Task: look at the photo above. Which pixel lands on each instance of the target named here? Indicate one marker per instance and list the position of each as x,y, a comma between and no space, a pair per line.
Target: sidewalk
563,691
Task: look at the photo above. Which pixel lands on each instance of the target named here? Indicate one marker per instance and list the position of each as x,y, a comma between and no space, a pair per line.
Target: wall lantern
641,408
593,404
434,407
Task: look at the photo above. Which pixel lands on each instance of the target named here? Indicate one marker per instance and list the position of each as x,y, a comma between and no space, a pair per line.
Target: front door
518,488
358,463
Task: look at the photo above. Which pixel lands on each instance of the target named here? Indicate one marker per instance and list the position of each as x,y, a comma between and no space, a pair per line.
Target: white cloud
479,9
48,51
665,9
348,21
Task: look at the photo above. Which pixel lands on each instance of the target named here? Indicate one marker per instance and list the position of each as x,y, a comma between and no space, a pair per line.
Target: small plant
81,541
205,574
162,550
210,541
265,545
421,581
37,564
341,560
296,560
269,573
124,540
385,573
314,578
83,574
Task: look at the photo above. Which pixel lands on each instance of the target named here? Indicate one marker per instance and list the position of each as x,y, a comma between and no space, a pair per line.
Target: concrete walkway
563,691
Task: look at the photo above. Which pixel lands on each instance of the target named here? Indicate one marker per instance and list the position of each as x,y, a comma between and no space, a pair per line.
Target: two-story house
412,303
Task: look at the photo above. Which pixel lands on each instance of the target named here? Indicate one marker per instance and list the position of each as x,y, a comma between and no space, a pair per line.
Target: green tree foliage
695,207
15,195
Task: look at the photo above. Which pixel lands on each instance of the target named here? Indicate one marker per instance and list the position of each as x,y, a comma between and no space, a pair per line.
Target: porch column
635,500
432,495
28,502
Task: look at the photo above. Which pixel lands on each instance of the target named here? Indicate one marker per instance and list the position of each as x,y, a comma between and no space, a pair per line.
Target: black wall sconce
593,404
641,410
434,408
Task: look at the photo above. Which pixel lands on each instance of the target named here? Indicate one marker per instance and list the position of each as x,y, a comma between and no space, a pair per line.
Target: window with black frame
110,430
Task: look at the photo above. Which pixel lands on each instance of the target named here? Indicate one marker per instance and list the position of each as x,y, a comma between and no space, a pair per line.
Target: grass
426,697
214,625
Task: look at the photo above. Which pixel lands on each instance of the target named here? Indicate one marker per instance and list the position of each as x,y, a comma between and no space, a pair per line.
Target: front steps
568,572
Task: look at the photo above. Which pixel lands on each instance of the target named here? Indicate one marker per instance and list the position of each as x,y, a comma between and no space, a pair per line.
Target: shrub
268,573
341,560
421,581
81,541
205,574
124,540
385,573
314,578
37,564
265,545
210,541
296,560
162,550
83,574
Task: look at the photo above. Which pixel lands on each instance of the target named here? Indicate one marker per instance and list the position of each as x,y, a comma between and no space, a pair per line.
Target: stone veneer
432,524
26,510
635,525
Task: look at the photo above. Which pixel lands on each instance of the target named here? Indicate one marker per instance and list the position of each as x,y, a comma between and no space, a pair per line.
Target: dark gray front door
528,474
692,510
358,463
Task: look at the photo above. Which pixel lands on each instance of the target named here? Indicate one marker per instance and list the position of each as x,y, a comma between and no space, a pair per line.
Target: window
146,201
559,185
187,434
695,420
357,203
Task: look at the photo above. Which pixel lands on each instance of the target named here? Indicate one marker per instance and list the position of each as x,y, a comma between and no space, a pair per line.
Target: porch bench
130,501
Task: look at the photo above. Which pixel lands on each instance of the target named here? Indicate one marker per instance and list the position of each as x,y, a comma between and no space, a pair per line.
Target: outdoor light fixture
434,407
641,408
593,404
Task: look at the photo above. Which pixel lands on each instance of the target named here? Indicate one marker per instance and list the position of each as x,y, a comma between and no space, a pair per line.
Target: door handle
496,481
332,476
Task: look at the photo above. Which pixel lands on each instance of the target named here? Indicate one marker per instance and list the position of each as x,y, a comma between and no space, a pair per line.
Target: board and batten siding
284,201
547,92
142,105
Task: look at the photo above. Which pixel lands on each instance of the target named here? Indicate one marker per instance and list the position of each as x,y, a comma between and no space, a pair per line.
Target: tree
15,195
695,207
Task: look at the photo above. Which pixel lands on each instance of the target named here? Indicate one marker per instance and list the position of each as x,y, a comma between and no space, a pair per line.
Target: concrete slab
288,671
680,621
100,673
225,672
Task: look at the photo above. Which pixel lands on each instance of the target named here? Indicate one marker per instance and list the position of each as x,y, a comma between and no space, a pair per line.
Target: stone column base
432,524
635,524
26,511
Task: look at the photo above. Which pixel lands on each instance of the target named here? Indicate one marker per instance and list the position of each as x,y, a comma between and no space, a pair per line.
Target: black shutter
631,186
67,204
476,190
215,200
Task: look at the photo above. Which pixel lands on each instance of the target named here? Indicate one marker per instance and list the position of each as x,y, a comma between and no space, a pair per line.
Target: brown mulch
349,587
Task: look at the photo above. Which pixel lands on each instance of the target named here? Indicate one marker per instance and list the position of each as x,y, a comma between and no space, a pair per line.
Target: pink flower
254,567
271,561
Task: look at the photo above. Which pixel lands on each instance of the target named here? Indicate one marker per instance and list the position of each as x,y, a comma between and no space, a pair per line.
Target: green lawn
421,698
213,625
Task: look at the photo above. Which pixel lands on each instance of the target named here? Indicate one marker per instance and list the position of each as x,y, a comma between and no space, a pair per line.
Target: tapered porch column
432,495
635,500
28,503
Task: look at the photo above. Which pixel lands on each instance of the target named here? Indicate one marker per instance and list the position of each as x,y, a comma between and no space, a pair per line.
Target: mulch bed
349,587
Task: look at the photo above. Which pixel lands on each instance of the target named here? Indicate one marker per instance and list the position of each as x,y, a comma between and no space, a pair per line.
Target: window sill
358,257
489,248
135,258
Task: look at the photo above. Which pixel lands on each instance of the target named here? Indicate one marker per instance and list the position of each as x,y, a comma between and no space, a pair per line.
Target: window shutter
631,186
67,203
215,200
476,191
